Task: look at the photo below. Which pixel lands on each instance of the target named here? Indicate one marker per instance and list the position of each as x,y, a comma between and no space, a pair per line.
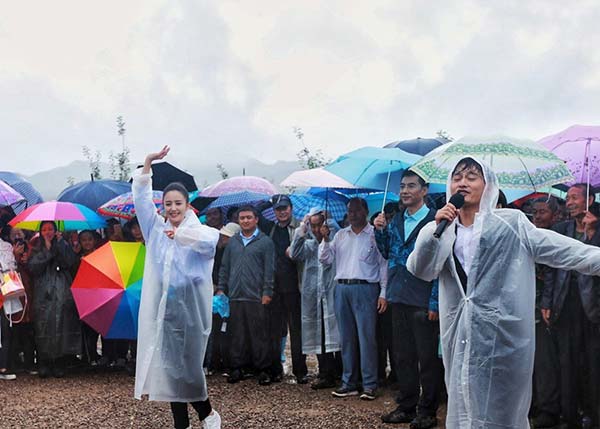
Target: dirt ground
105,400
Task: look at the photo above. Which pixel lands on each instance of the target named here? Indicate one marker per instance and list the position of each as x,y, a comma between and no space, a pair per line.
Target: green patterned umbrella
518,164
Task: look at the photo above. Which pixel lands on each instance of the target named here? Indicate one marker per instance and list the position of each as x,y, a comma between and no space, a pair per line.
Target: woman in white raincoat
485,263
176,305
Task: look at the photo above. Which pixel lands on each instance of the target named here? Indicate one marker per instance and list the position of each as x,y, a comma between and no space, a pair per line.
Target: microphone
457,200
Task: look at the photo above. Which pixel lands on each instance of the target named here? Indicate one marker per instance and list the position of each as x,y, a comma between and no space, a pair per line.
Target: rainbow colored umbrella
108,286
67,216
123,207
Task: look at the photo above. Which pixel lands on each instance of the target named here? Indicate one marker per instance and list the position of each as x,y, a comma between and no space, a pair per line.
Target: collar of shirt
247,240
412,220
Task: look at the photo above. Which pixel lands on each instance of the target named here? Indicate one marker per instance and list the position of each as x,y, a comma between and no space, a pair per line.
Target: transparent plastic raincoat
318,287
176,305
488,334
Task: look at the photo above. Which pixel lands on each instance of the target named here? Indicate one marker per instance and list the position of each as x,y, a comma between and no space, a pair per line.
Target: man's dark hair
391,207
362,202
177,186
466,164
502,200
249,209
584,188
550,201
320,215
410,173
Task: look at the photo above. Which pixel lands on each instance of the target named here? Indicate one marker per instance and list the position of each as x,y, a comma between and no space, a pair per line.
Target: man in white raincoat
320,334
485,263
176,305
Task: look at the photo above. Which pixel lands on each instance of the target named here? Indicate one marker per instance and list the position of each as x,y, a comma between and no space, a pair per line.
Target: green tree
307,158
444,135
93,159
119,162
224,173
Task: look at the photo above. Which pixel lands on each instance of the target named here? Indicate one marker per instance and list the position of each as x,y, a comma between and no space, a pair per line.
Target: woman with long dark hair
56,322
176,305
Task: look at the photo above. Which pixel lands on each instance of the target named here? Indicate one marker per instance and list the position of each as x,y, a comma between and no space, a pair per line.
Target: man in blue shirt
414,310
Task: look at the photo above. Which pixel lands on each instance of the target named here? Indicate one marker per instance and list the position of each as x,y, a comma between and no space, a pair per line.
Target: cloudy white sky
218,78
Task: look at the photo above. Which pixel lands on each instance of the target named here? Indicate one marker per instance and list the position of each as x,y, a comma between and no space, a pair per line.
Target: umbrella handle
387,184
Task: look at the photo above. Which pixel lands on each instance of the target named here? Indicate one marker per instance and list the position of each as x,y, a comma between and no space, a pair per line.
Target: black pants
5,338
384,345
285,312
418,368
546,370
578,342
23,340
114,349
180,412
217,349
89,338
248,325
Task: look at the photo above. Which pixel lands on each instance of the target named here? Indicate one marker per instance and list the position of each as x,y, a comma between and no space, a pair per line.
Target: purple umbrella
239,184
579,147
8,196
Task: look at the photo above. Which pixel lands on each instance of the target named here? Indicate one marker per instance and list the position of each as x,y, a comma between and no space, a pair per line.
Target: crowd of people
378,301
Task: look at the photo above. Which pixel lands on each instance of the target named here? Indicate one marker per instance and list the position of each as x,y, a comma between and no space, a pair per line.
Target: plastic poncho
56,321
318,287
488,336
176,305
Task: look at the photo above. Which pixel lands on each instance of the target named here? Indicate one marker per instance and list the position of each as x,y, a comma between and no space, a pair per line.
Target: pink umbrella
8,196
68,217
239,184
316,178
579,147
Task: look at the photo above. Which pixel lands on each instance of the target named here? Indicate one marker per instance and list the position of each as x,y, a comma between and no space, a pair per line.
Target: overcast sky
217,78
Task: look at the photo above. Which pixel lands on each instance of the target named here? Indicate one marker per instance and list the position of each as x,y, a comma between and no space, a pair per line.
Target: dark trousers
330,364
217,349
114,349
89,338
248,324
384,345
285,313
5,339
23,340
180,412
415,344
578,342
546,370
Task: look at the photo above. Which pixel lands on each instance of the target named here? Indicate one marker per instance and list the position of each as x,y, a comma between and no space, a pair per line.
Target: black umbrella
419,145
164,174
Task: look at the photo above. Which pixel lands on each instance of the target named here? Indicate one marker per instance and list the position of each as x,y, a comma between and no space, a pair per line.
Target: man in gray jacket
246,276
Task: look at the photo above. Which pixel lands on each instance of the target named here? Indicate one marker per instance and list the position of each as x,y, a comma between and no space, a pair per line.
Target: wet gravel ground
105,400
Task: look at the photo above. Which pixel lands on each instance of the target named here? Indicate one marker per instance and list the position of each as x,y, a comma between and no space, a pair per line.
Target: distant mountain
51,182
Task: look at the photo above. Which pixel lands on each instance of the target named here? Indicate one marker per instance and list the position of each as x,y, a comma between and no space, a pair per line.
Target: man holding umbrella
414,305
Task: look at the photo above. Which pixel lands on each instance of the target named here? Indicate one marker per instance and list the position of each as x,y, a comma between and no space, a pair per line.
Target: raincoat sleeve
145,209
224,271
297,248
7,257
201,239
558,251
430,254
39,260
64,256
269,270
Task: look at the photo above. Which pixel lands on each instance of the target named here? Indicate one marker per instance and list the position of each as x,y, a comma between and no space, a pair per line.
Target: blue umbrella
303,203
237,199
418,146
372,167
94,193
23,187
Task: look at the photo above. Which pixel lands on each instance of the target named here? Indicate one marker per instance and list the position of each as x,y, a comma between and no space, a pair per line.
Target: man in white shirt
361,276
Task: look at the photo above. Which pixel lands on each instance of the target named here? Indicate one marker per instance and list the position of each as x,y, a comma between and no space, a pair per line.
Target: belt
353,281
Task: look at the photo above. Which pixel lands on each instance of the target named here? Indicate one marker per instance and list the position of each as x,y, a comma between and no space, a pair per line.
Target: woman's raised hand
153,157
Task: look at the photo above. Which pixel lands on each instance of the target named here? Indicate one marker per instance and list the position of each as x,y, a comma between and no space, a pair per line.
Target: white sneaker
7,376
213,421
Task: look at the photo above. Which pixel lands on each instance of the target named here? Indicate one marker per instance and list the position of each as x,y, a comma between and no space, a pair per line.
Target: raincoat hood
489,198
